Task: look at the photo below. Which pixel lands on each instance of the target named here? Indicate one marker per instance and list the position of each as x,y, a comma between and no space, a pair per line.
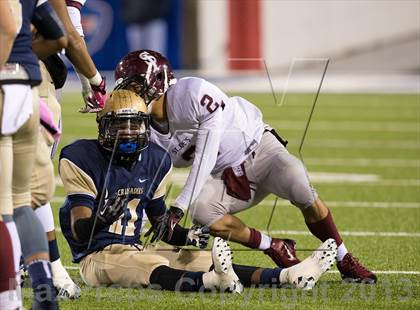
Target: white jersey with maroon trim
208,130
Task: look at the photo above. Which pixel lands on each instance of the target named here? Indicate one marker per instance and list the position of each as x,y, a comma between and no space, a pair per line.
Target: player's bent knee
206,215
42,178
303,195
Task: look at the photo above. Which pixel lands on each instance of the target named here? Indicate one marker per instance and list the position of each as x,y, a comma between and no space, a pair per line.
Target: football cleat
222,262
66,288
354,272
307,273
22,275
282,252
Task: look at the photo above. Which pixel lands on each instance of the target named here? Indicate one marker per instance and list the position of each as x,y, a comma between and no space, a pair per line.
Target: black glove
198,236
112,209
163,228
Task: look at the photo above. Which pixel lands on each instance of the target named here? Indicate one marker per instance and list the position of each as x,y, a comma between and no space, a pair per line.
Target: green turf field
363,155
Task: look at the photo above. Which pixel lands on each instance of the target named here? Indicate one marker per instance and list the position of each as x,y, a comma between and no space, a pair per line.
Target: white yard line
348,126
363,162
413,144
349,233
354,204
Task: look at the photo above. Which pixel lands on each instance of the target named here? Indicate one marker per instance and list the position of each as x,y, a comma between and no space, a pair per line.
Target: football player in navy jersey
112,183
19,119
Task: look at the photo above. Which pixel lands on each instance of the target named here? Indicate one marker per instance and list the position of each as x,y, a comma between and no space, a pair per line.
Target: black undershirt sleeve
179,237
83,227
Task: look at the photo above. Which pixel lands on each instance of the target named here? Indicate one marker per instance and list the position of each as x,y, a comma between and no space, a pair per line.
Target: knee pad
31,233
45,216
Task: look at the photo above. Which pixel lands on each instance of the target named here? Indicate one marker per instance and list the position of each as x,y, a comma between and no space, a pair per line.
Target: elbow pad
47,22
57,70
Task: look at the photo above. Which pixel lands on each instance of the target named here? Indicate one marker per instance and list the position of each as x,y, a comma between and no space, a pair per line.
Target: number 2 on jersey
210,104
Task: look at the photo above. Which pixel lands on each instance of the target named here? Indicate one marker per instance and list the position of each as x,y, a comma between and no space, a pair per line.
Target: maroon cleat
352,271
282,252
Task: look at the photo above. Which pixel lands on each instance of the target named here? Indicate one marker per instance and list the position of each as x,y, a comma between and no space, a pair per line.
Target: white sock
210,280
45,216
17,252
283,276
265,242
96,79
341,252
58,268
9,300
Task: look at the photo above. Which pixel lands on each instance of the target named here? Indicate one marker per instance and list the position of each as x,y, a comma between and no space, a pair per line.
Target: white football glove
198,236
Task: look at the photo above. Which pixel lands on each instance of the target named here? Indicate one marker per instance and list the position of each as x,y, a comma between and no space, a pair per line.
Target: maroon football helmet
145,72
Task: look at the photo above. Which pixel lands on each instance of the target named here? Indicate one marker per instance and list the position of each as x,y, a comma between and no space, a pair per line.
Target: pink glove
95,99
47,121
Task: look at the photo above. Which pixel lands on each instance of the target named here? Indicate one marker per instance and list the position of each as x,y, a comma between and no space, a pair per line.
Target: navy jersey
41,14
83,169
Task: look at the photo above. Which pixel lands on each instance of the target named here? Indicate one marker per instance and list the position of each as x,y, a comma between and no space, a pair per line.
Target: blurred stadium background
373,45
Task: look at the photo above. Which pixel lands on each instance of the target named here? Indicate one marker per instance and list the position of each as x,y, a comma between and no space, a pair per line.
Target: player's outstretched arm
170,232
76,50
197,236
93,84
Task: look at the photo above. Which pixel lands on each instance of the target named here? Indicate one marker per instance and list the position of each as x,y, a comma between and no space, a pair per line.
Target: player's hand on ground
198,236
112,209
95,99
163,228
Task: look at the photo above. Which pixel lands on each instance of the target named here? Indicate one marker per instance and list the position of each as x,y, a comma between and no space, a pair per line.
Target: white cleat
66,288
307,273
222,261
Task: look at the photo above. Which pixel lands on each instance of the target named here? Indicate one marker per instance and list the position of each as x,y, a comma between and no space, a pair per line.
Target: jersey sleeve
156,206
207,107
79,185
75,180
